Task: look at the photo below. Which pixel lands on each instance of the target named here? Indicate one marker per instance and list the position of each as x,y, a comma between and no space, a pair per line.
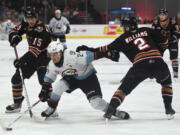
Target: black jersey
169,29
38,38
139,45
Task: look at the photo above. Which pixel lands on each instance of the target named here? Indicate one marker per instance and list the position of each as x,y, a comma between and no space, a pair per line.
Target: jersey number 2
141,44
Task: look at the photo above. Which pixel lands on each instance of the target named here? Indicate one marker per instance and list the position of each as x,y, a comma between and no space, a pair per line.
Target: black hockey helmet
178,14
163,11
130,22
178,17
30,12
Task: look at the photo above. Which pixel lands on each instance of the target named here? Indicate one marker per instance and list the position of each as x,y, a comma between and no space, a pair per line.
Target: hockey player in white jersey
6,27
59,25
77,72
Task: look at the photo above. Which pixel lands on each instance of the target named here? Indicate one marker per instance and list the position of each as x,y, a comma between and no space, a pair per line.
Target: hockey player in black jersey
140,45
169,29
36,59
177,19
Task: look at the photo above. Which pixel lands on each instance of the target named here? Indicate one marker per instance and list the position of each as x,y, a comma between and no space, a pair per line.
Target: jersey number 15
37,42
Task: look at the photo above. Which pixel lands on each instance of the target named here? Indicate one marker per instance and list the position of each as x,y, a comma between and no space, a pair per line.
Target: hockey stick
116,82
26,93
9,127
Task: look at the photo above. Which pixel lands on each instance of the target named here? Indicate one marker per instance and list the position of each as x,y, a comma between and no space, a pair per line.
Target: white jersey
58,26
77,64
7,26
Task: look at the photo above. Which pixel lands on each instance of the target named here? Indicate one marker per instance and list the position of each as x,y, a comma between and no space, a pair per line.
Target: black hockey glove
84,48
113,55
14,40
172,39
18,63
54,38
45,92
67,30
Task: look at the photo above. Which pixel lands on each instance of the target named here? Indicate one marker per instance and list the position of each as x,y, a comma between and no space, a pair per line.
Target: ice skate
121,115
170,112
111,111
49,112
175,77
14,108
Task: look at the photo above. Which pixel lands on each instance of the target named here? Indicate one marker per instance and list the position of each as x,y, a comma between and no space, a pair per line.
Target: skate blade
38,118
13,111
170,116
175,79
106,121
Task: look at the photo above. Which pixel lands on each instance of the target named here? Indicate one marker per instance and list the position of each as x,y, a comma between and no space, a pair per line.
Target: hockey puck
9,129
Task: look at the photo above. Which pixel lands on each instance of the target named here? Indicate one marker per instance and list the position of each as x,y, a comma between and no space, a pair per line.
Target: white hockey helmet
55,47
58,11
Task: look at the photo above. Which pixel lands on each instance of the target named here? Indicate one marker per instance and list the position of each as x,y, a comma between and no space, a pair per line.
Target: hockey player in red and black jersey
140,45
177,19
36,59
169,29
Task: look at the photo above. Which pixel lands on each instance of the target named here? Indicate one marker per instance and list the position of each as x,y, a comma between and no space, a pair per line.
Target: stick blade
4,127
8,129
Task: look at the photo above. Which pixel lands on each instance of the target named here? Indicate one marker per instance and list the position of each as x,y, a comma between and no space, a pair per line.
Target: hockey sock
53,100
167,95
175,65
50,91
117,98
17,92
52,103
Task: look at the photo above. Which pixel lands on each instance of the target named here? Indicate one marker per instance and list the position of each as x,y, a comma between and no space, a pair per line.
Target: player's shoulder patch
72,52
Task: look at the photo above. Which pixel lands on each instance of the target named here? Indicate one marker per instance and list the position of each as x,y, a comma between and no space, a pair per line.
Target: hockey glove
172,39
113,55
45,91
14,41
67,30
18,63
54,38
84,48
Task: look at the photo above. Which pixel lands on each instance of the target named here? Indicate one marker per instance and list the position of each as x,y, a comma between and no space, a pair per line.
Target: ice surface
76,115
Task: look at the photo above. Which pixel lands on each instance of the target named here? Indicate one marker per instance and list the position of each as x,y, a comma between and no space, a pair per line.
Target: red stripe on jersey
95,55
153,50
33,53
44,49
153,57
35,48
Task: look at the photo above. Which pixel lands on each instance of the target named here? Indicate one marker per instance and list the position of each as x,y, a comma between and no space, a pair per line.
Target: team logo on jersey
69,72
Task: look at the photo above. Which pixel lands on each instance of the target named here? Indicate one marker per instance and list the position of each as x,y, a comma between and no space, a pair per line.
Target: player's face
55,57
178,18
58,15
31,21
126,28
162,17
